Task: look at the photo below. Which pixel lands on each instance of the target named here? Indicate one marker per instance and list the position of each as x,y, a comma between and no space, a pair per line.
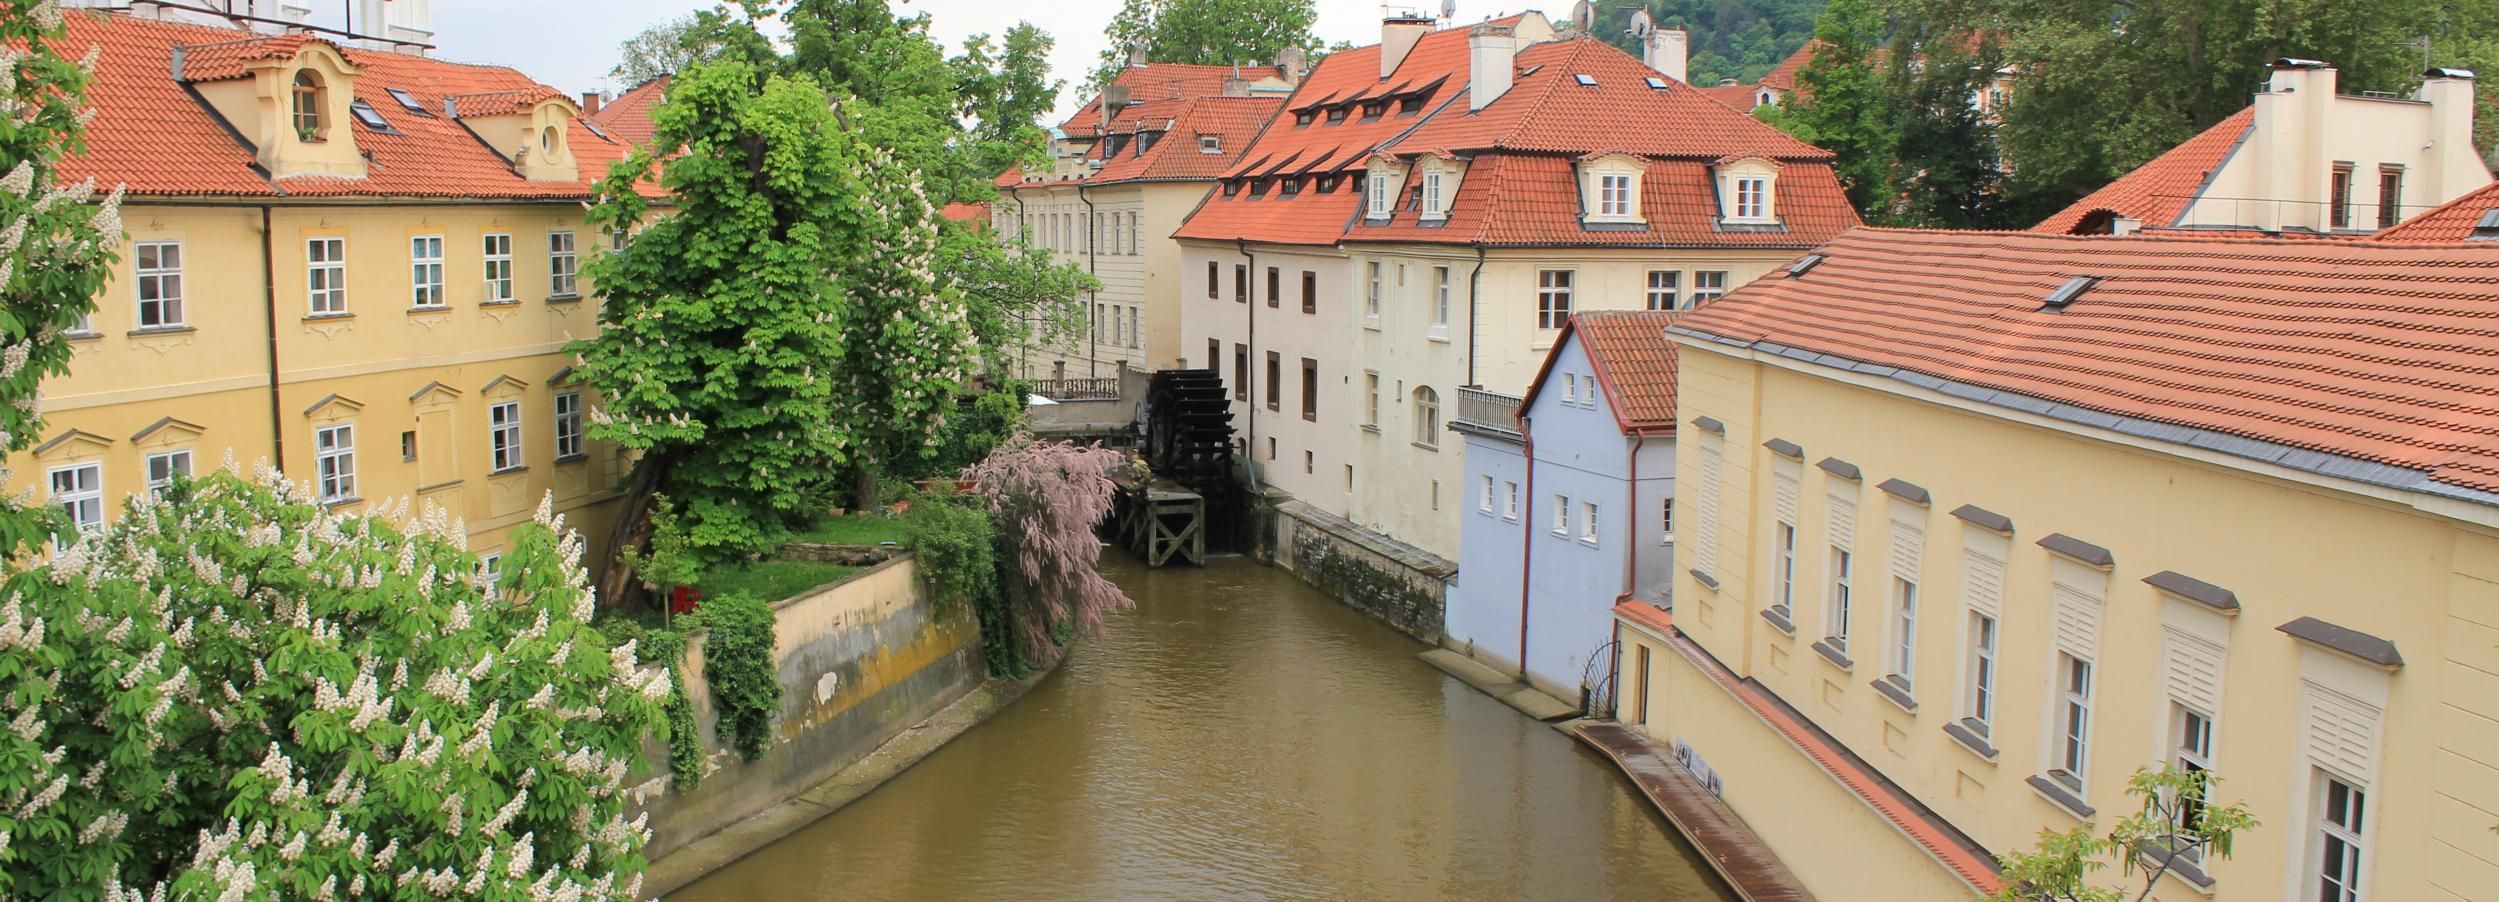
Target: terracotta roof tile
1782,77
1548,109
2387,353
233,58
504,103
628,117
2455,220
1632,359
1737,97
2158,192
1158,81
1233,121
1533,201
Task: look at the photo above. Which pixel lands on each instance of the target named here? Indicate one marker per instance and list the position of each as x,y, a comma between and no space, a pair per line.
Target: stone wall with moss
1403,586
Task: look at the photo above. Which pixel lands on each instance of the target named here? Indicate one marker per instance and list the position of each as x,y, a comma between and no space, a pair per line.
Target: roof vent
2073,288
1804,265
409,101
2447,72
1588,80
2487,229
1656,83
2295,63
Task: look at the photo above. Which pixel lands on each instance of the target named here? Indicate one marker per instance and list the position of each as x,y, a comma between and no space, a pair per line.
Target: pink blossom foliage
1048,497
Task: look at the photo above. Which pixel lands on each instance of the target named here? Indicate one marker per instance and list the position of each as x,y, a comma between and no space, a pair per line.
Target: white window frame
1433,209
1509,501
84,497
334,462
1371,392
2191,744
164,311
1381,191
563,265
1614,195
1485,506
1978,698
425,272
2070,754
1562,515
325,275
1371,303
1666,521
172,463
490,569
1570,389
503,436
1836,623
2350,881
1708,285
1426,416
498,254
1783,572
1588,523
1752,196
1904,650
1554,298
569,436
1440,301
1665,289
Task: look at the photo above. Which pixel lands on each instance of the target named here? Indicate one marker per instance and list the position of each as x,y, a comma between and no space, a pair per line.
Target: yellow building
1976,525
358,264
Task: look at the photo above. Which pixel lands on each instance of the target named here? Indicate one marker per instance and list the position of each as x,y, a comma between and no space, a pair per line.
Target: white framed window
1570,389
1783,573
1752,197
2073,722
2193,755
78,490
325,275
2341,840
1371,302
1837,627
1553,298
503,435
334,462
425,270
1509,500
1665,289
1562,515
1614,194
490,569
1426,416
1980,702
1666,522
568,432
1380,189
1485,505
1136,235
1371,399
159,270
164,466
1904,632
1708,286
563,265
1432,208
1440,298
498,269
1588,522
1136,327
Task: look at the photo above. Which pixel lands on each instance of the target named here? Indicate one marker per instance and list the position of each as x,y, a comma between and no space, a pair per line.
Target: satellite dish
1448,9
1584,16
1640,24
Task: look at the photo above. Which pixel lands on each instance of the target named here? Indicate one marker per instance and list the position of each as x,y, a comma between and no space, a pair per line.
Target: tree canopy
1206,32
1742,41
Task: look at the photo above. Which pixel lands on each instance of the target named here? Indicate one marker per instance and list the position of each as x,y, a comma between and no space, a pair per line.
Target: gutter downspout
1093,336
1023,236
1474,324
1631,514
269,295
1527,540
1249,456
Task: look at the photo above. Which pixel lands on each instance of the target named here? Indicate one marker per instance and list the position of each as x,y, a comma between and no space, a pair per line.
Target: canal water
1239,736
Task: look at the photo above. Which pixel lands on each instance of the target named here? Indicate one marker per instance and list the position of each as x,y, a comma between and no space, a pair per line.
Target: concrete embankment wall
1403,586
861,661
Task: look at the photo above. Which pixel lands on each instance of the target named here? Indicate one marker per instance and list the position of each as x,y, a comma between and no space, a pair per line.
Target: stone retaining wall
1404,586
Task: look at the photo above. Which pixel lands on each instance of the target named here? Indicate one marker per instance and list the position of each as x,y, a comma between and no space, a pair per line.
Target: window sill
515,302
150,331
1509,518
563,298
1428,447
1310,417
1707,581
1371,322
1895,693
508,471
1437,335
1970,740
2056,791
336,503
2186,868
571,459
439,486
1374,430
327,317
89,335
431,308
1830,651
1786,626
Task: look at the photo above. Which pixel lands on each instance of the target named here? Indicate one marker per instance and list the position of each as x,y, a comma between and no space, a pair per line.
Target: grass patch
771,580
867,529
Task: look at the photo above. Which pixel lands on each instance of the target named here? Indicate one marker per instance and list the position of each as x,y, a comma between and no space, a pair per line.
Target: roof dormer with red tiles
528,127
290,96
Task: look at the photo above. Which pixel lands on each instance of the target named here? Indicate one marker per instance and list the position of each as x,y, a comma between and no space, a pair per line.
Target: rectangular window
1708,286
1485,505
1275,286
503,424
1553,298
1751,196
1214,288
407,446
1371,302
1310,291
1614,195
1562,515
1431,195
1275,381
2338,204
1783,574
2073,714
1588,522
1379,191
490,569
1241,374
1981,712
1838,613
160,284
1440,296
1666,522
1240,283
164,467
498,269
2194,756
1371,400
1426,417
2390,196
334,462
325,275
1904,632
1640,684
1310,389
568,434
1509,500
78,490
1570,389
563,265
425,270
1665,289
2339,841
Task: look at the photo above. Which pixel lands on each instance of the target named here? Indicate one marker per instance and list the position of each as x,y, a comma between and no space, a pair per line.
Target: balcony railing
1483,411
1103,389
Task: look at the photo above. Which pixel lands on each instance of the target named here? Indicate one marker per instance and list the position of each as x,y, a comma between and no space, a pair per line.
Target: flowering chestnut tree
1046,498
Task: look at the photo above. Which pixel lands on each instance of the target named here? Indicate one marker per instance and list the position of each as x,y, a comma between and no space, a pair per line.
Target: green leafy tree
671,561
1742,41
2176,823
1006,93
1847,105
1946,166
669,47
1206,32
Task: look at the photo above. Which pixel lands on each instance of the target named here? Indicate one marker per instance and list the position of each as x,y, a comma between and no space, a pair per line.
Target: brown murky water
1238,736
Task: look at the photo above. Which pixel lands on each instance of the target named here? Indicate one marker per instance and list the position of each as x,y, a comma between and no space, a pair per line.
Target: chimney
1236,87
1136,56
1398,34
1291,65
1114,99
1492,54
591,101
399,25
2455,164
1667,50
2293,166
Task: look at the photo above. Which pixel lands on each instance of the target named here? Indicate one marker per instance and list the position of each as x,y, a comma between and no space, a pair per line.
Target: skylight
595,129
1804,265
1656,83
2066,293
409,101
1585,79
2487,229
371,117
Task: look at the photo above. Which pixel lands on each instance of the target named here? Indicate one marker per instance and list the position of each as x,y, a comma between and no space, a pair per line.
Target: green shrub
745,680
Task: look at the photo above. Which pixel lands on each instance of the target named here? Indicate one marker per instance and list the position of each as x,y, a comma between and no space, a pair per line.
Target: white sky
572,43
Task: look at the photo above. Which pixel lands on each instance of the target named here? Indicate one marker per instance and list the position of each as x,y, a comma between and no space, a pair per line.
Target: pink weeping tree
1046,498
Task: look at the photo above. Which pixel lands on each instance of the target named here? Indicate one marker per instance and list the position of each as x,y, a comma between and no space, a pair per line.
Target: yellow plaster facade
2289,717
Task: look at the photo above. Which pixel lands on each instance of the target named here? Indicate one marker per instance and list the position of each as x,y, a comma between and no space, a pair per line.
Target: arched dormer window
1381,186
311,97
1611,188
1748,191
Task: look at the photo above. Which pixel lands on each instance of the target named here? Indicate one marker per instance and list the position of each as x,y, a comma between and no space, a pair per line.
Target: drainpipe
269,297
1527,539
1093,336
1250,447
1023,234
1631,512
1474,326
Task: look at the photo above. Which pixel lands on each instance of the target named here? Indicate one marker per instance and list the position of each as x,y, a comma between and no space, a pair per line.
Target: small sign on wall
1701,771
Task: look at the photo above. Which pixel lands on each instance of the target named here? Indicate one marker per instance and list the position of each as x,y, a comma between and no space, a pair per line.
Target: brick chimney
1291,65
1492,56
1398,33
591,101
1668,50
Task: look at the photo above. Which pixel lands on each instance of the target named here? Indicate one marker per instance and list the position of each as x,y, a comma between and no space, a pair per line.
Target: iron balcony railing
1103,389
1486,411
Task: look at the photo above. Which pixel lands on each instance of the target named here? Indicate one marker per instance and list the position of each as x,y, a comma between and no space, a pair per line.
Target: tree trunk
864,490
618,588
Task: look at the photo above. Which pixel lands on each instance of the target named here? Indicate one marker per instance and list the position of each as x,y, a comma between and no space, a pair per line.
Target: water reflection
1239,736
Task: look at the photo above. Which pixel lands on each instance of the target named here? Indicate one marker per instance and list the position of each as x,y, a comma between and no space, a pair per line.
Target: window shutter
1843,525
2192,667
2077,623
1982,582
2342,732
1705,544
1908,544
1785,490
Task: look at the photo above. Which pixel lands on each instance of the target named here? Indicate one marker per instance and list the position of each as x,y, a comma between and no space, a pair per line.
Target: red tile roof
1158,81
2385,353
1547,109
152,135
505,103
1739,97
233,58
1533,201
1782,77
1633,360
975,214
628,117
2454,220
1178,155
2158,192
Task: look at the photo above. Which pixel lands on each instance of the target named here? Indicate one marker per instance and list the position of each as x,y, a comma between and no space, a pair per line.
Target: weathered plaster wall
1399,584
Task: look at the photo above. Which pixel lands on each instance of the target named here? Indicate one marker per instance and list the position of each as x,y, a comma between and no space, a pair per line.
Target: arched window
1426,417
546,141
310,98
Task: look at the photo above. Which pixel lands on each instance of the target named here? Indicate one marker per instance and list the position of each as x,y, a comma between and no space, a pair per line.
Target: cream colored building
1976,525
359,265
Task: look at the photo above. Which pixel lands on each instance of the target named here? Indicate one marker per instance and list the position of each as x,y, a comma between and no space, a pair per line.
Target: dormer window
1765,98
311,97
1303,118
1209,144
1610,189
1614,194
1434,206
1752,197
548,140
1373,109
1111,145
1748,191
1382,196
1410,105
1292,187
1337,114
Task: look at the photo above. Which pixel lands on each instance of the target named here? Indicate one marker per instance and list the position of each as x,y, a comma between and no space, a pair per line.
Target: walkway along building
1551,540
359,265
1978,524
1125,170
1427,214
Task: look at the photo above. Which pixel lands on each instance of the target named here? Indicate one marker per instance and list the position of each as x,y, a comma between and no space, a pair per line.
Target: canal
1239,736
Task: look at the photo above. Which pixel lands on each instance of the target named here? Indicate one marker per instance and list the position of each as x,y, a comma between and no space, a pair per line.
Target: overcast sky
572,43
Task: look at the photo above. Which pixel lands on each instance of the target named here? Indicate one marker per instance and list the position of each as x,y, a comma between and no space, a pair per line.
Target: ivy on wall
745,680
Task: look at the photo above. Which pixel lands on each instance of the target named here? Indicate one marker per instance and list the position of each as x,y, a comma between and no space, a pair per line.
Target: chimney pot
1492,57
591,101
